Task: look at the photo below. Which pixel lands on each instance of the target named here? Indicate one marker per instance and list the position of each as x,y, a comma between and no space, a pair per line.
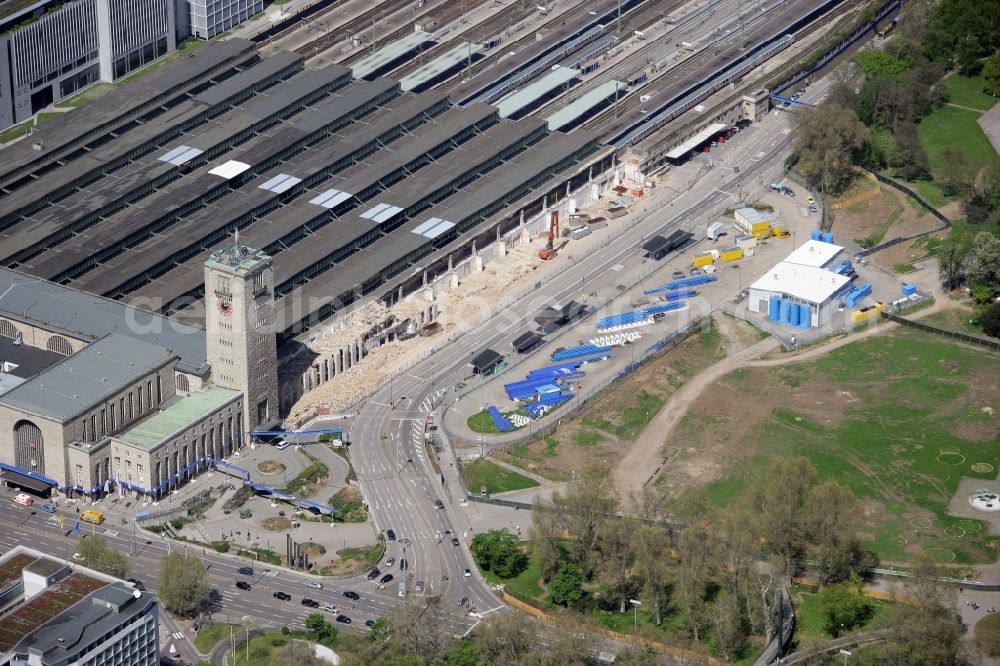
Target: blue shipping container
909,289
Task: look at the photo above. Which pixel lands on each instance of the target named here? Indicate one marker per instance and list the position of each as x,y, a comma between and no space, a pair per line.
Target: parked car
315,586
385,579
311,603
343,619
696,271
391,535
243,585
813,209
280,444
352,595
678,275
282,596
245,571
48,508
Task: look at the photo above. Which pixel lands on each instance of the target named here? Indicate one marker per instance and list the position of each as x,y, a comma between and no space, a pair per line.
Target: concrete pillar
477,263
453,280
399,294
425,270
474,250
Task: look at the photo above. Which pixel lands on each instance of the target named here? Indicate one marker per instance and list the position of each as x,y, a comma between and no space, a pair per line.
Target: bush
221,546
278,641
990,320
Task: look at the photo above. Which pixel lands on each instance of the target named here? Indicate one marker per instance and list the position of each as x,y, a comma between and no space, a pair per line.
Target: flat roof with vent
93,374
178,417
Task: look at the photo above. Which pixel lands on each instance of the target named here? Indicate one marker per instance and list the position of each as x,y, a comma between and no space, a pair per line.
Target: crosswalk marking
177,635
618,268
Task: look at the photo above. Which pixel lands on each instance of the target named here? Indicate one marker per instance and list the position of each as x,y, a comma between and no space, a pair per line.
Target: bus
92,516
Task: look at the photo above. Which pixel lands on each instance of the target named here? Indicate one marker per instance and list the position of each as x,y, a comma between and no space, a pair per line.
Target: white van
280,444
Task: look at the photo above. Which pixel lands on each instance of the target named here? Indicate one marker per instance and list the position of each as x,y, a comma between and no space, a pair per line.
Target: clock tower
240,329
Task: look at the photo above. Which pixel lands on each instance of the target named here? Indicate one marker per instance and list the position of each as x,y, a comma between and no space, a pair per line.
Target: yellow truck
92,516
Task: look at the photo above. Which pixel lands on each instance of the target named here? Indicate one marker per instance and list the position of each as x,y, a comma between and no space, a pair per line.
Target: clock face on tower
225,307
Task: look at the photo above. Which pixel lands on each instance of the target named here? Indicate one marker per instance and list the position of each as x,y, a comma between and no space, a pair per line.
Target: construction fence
993,345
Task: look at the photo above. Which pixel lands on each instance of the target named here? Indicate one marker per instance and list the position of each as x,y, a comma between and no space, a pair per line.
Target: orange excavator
550,248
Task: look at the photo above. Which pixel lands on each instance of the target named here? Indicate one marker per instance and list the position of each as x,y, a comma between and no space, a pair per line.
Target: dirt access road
635,470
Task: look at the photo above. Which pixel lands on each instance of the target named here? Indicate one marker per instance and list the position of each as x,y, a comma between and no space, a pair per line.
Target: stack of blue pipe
578,352
678,284
636,316
857,294
536,408
675,295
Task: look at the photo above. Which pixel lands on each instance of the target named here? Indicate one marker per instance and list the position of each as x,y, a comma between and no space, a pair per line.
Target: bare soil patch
270,467
276,523
605,429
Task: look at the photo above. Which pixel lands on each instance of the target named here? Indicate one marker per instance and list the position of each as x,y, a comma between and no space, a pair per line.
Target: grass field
524,585
209,636
951,126
898,418
809,623
348,502
968,91
496,479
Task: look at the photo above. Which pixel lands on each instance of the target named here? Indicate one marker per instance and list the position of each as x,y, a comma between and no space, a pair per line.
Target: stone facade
240,329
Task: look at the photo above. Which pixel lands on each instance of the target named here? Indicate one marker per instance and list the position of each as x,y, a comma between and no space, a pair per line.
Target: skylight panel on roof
180,155
281,183
331,198
230,169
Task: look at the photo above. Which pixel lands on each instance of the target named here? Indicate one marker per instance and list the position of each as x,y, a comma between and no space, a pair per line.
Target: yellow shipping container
864,314
731,254
754,228
703,259
780,232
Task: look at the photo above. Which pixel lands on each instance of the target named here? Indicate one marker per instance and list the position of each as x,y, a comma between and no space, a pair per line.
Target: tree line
875,122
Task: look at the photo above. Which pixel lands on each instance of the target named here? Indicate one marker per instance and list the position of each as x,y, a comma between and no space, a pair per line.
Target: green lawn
16,131
809,623
209,636
913,426
482,422
496,479
524,585
368,555
968,91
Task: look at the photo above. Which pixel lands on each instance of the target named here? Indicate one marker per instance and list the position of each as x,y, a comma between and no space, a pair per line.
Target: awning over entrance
25,481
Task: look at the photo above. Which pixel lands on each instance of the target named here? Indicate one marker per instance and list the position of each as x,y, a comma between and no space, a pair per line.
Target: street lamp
635,626
846,653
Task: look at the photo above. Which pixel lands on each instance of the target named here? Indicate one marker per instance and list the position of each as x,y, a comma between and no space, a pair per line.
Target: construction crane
550,247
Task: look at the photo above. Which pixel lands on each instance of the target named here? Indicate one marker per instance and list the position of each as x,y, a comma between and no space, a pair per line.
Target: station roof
87,317
438,66
532,92
178,417
372,62
95,373
807,283
814,253
583,104
695,140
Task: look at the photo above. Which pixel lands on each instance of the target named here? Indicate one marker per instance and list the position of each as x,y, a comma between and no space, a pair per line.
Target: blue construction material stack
528,388
843,268
827,237
676,295
537,408
578,352
679,284
636,316
909,289
815,235
857,294
500,421
561,371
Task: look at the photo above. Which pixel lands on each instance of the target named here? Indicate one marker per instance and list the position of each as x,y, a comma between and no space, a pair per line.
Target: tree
776,500
566,587
991,75
506,638
546,536
587,505
953,256
827,140
100,556
843,607
414,635
497,551
465,653
183,583
296,653
653,568
618,545
990,320
984,266
830,519
321,629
